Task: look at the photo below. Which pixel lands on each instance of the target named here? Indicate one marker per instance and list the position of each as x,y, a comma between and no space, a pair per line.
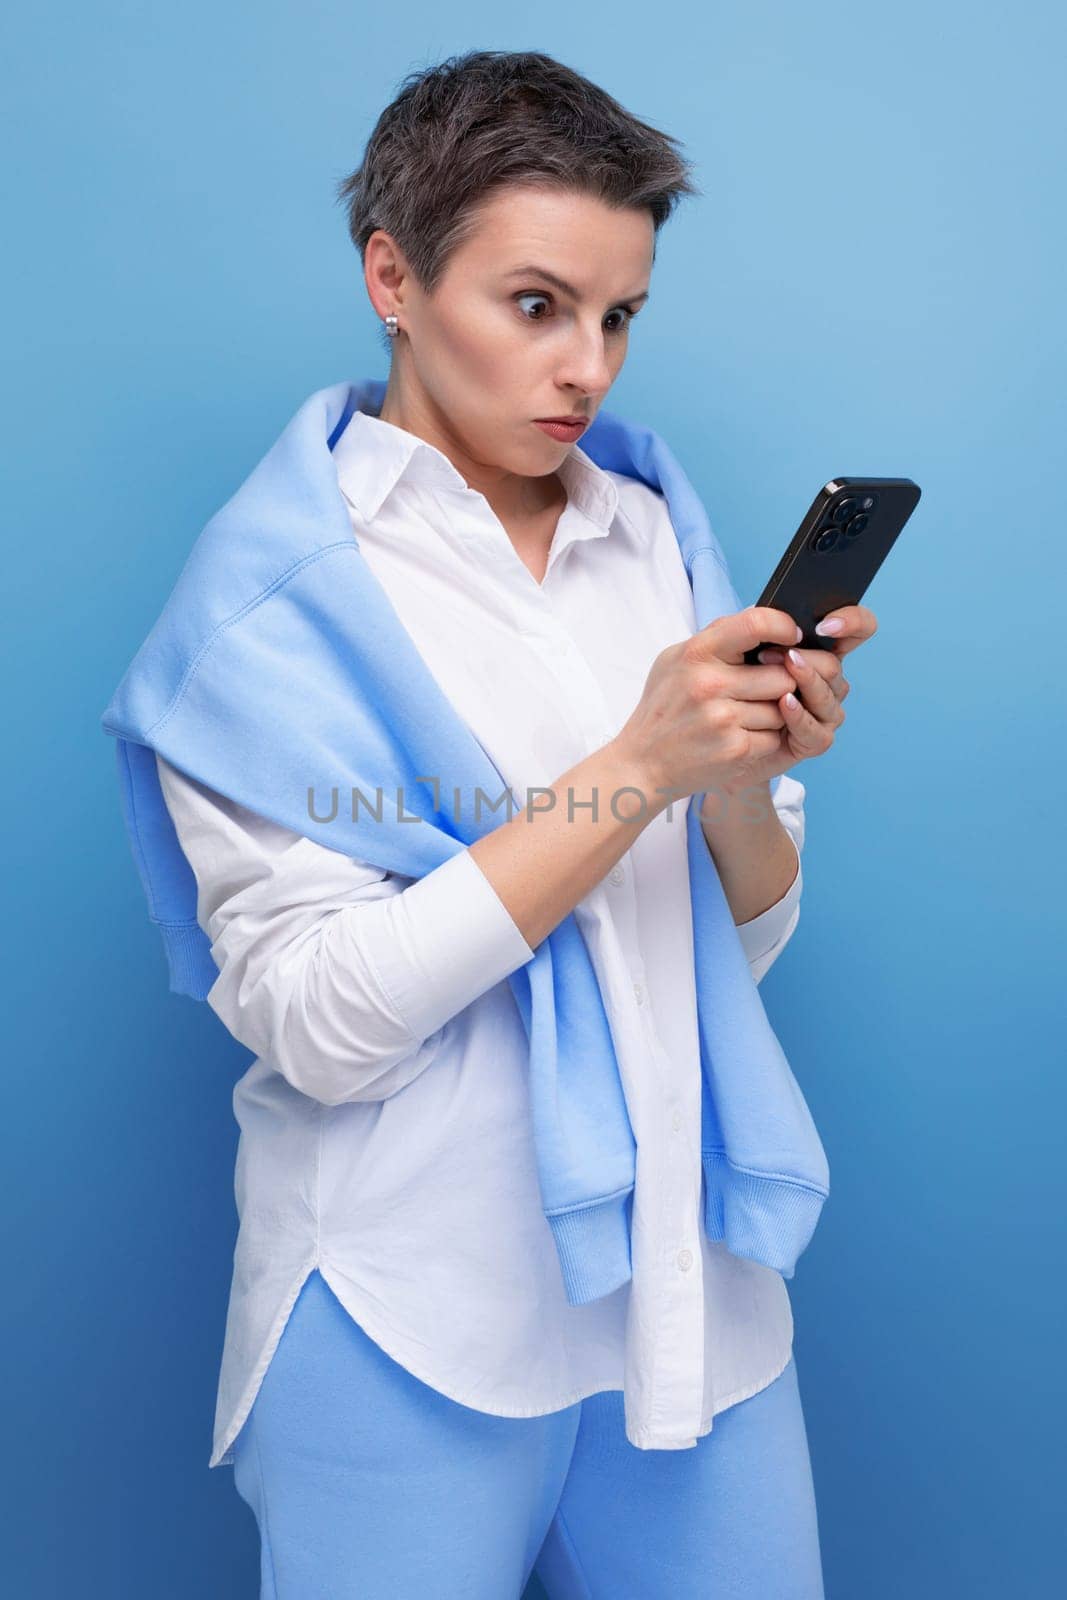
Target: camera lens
843,510
857,525
825,540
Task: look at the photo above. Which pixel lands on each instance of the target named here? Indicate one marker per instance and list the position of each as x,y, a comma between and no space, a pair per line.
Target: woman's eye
619,327
532,296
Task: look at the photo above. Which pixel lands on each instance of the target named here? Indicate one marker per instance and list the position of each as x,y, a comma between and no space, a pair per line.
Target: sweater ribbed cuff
769,1220
593,1245
189,960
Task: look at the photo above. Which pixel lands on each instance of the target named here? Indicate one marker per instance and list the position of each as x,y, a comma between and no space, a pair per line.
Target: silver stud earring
391,326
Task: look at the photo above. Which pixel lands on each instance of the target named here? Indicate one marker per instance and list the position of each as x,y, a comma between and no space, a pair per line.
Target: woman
412,1403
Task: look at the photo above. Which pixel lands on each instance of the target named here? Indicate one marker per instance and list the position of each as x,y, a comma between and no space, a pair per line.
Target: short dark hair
475,122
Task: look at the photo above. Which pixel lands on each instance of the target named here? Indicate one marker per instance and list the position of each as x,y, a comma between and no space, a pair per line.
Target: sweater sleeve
766,936
340,975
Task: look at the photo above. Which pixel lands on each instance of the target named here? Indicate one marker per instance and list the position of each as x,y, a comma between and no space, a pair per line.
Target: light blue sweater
278,665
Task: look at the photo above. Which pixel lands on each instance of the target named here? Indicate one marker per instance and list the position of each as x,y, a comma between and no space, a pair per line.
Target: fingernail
800,634
829,625
769,655
796,658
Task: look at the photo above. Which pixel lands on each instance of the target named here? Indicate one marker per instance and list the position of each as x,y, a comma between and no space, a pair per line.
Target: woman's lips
565,432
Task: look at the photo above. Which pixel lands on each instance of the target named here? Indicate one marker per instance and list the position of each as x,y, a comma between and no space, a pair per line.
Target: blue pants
367,1483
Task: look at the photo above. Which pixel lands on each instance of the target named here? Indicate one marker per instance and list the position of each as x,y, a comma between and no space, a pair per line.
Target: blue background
872,283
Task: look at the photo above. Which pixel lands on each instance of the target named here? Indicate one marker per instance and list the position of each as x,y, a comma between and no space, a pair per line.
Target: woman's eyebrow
560,283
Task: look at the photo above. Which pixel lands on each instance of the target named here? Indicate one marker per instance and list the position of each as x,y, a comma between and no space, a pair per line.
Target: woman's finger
805,731
857,625
824,662
761,714
752,682
813,722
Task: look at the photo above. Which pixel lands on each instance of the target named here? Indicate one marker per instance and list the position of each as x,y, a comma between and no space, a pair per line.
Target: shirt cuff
451,938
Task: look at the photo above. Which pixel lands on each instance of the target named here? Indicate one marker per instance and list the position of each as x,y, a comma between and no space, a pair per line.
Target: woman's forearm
754,854
552,853
546,859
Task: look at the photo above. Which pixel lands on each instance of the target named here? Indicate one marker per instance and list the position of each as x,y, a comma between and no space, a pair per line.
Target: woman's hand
709,720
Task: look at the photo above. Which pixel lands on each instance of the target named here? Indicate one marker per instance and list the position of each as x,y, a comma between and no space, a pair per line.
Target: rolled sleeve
449,939
339,974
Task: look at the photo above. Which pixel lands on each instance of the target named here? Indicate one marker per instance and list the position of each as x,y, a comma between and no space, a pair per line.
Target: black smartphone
849,529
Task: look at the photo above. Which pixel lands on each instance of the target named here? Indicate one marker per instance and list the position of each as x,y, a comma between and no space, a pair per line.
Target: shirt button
639,993
617,875
676,1121
685,1259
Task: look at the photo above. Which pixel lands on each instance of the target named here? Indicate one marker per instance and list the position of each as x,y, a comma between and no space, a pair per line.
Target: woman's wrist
637,773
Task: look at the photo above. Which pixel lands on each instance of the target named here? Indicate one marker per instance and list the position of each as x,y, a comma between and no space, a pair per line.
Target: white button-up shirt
385,1129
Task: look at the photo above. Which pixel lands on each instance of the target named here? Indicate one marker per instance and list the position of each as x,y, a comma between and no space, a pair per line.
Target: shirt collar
372,456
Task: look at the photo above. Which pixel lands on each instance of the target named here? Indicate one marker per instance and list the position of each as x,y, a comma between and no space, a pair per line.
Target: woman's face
499,343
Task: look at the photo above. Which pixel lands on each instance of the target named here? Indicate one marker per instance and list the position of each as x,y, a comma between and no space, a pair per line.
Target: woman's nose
587,367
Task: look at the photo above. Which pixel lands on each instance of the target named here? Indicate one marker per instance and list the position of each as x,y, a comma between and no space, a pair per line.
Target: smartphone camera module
863,516
844,509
